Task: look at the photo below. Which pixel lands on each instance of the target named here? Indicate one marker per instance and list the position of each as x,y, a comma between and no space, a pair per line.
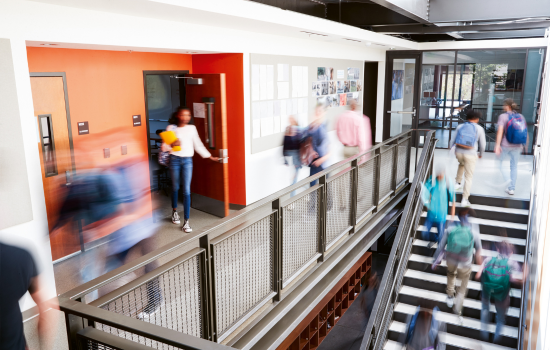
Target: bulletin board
281,86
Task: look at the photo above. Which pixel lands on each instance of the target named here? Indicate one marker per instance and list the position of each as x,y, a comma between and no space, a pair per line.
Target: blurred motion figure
291,147
354,132
436,196
423,328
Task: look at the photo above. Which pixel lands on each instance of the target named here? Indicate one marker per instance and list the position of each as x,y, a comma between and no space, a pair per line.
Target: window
48,145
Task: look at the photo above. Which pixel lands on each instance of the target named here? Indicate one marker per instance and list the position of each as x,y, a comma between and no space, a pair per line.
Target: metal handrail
78,314
383,309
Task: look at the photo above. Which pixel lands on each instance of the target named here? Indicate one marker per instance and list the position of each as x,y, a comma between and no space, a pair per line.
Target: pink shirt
353,129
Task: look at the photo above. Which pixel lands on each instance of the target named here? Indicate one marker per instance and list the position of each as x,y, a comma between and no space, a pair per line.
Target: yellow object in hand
169,137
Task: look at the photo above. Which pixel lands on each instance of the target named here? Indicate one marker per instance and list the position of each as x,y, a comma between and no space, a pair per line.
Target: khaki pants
464,276
466,166
350,151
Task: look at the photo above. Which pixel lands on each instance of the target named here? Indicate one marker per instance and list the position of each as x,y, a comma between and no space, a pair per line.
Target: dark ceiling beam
390,5
420,29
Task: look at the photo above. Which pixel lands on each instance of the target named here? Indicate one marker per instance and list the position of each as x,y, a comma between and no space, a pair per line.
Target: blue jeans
314,170
296,162
501,308
514,153
179,165
430,236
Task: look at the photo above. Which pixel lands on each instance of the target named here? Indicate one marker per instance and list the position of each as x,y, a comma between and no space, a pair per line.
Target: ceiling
432,20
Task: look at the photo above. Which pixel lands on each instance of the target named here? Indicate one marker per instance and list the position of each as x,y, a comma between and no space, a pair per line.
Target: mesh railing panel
300,233
172,300
338,206
403,154
130,336
386,173
93,345
243,265
365,187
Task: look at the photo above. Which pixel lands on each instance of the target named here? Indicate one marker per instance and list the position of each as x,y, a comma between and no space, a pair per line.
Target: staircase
421,282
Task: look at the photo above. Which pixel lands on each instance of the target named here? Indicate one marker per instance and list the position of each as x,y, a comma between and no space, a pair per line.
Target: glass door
401,101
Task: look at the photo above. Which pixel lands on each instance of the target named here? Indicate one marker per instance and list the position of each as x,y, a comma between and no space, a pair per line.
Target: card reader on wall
190,81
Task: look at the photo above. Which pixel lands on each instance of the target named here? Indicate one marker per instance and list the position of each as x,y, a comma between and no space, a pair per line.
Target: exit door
54,145
210,185
401,95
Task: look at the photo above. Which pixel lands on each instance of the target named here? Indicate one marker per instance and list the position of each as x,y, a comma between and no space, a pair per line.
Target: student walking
291,147
496,274
181,162
317,133
511,139
423,328
458,244
469,139
353,130
436,196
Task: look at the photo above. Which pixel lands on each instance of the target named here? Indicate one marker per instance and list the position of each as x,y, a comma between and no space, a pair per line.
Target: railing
381,316
214,280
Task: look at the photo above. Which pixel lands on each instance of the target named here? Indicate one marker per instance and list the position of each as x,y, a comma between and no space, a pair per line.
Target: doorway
401,94
55,145
205,96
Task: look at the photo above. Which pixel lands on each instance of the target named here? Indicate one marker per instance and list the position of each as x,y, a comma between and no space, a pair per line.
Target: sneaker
465,203
450,301
510,192
186,228
458,187
175,217
461,320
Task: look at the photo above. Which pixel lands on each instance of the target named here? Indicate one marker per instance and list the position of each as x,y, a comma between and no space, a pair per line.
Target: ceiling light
310,33
357,41
47,44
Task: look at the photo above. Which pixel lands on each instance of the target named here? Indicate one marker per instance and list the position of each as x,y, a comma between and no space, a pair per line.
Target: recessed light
47,44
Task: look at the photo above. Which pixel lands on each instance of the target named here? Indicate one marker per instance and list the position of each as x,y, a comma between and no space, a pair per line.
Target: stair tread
484,252
452,319
449,339
429,260
441,297
495,209
484,237
487,222
473,285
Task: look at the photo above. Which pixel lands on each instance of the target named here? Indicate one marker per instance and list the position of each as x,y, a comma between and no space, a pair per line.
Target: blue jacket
436,196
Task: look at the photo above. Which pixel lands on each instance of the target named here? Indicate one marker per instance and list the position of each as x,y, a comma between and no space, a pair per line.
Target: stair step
485,237
484,252
442,280
442,298
451,340
520,216
504,202
452,319
486,222
422,259
504,210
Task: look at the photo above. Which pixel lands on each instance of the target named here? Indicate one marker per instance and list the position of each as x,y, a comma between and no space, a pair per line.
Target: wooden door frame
390,55
67,110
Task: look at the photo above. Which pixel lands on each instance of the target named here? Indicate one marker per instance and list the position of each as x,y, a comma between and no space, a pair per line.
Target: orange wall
232,65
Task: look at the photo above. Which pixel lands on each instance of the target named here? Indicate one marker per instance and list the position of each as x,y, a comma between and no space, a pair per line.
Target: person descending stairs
422,284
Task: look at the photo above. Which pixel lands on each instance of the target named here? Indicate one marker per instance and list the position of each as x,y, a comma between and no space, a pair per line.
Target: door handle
67,178
223,156
403,112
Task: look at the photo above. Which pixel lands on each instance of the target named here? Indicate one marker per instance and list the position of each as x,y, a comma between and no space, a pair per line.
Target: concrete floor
348,332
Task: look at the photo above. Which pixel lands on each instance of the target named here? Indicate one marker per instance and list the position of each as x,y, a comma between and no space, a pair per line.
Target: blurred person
468,140
436,196
423,328
457,245
181,162
317,135
291,147
19,274
369,294
513,127
353,130
496,275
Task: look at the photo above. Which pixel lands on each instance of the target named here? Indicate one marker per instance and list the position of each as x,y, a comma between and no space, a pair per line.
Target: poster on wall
359,85
397,85
346,86
353,73
321,73
340,87
340,74
332,87
315,89
324,88
343,99
353,86
349,98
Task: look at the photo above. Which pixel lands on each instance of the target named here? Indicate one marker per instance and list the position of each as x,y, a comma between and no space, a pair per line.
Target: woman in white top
181,162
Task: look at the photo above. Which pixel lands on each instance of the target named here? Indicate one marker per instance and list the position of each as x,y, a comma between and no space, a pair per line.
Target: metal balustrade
246,260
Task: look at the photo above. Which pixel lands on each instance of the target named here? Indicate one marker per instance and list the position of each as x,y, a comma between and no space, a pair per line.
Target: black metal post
376,197
278,248
323,196
354,189
207,290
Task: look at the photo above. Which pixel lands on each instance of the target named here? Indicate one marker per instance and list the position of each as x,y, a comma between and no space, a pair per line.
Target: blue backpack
466,136
516,129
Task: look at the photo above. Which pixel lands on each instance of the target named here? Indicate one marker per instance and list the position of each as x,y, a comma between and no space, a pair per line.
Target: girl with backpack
423,328
496,274
512,137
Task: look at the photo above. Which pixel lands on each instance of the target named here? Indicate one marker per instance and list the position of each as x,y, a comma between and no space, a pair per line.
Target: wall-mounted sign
83,128
136,119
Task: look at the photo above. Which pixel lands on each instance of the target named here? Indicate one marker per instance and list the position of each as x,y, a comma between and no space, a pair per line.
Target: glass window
48,145
533,76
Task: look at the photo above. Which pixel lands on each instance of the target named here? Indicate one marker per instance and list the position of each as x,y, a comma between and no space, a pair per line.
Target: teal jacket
436,196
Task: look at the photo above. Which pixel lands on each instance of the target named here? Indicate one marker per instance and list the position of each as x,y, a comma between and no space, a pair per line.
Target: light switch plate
106,153
123,150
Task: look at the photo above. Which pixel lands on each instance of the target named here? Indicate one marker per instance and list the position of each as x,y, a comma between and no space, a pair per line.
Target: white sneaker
175,218
450,301
458,187
465,203
186,228
510,192
461,320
